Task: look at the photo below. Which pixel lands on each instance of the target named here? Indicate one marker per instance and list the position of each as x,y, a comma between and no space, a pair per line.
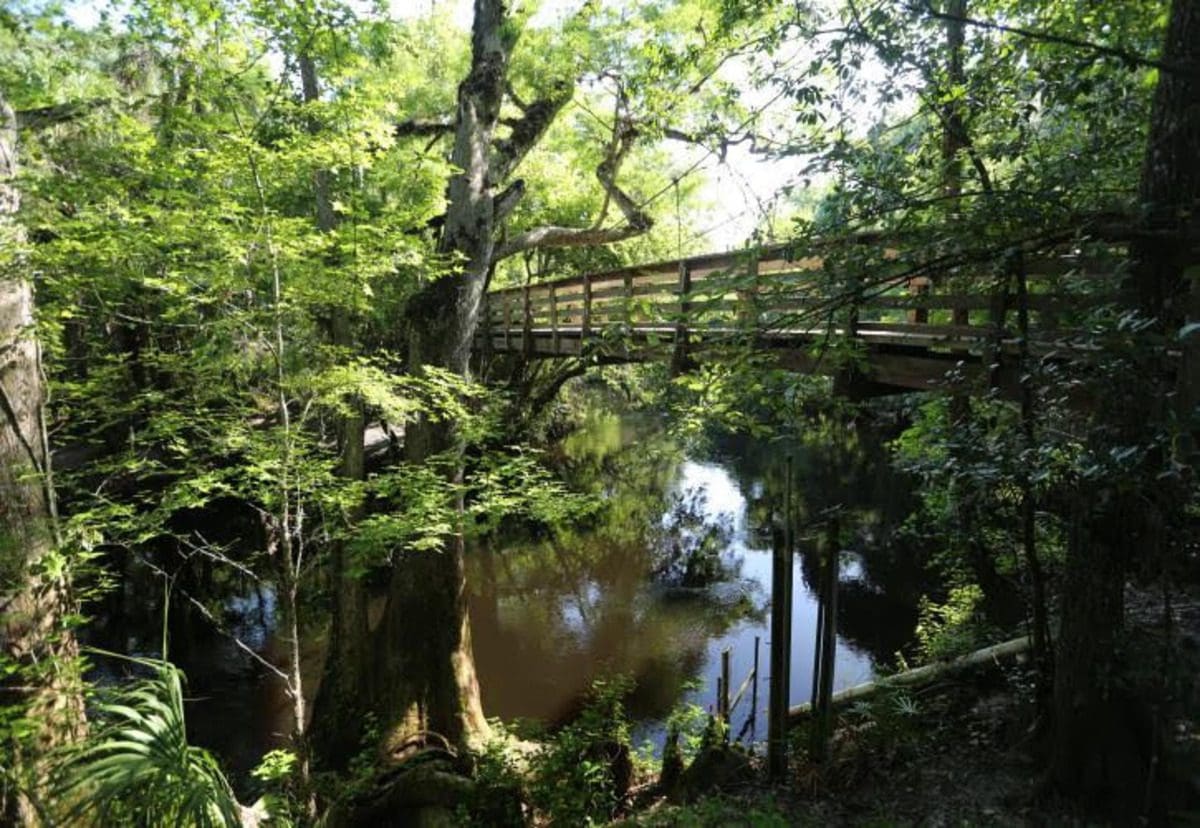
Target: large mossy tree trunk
44,687
425,677
1102,735
416,672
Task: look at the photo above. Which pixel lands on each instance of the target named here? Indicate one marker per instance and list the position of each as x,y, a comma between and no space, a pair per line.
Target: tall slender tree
1101,742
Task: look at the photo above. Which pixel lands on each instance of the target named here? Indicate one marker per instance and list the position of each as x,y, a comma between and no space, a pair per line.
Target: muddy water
671,568
677,568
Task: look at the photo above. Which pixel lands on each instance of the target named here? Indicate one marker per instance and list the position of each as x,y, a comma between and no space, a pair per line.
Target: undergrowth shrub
953,628
137,768
578,777
583,774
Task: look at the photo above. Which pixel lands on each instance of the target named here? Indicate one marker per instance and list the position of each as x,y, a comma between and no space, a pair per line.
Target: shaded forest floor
960,752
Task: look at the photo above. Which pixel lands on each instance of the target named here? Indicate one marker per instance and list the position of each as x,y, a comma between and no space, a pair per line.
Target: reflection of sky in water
723,497
574,609
251,612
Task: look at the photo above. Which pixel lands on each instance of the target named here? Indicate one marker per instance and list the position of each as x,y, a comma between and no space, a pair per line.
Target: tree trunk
1102,738
338,714
426,678
33,598
1170,182
1099,750
953,123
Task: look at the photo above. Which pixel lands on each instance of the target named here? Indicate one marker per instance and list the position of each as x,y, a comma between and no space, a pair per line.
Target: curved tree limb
637,220
527,130
723,142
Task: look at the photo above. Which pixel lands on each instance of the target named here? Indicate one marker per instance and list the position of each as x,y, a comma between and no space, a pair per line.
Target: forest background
240,237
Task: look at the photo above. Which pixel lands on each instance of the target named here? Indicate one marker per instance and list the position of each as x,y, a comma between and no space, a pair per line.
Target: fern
138,764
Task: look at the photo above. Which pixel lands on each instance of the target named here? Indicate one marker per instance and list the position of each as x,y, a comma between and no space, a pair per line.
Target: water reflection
671,571
677,567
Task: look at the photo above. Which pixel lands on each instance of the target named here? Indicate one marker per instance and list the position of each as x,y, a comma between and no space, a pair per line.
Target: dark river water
677,568
671,569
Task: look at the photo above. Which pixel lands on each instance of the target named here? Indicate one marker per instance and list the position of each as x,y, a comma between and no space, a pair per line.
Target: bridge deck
911,328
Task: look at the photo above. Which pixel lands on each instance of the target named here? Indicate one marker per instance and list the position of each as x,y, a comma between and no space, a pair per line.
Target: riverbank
962,751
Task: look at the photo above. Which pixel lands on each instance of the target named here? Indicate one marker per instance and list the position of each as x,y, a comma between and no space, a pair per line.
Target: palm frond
138,763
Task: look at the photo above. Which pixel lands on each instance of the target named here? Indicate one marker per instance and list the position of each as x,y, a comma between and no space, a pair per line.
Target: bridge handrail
773,286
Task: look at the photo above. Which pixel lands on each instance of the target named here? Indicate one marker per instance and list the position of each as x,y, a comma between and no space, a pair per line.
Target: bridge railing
775,292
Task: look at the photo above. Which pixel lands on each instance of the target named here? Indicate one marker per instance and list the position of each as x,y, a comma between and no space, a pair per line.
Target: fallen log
987,657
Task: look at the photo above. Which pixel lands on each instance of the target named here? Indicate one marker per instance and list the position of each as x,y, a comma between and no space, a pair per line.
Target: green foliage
574,780
276,772
137,765
689,723
499,784
887,722
953,628
718,812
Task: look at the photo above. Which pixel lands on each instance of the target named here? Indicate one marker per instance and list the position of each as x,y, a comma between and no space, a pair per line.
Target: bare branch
723,142
637,221
418,128
527,130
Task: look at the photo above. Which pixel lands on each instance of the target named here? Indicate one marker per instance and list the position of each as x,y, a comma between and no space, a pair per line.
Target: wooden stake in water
781,628
826,645
725,691
754,693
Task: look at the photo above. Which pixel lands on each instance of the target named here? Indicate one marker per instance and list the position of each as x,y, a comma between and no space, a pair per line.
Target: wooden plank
969,331
608,291
741,691
723,701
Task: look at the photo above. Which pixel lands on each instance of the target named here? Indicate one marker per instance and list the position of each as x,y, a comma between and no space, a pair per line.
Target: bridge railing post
527,326
553,319
507,320
748,297
586,322
856,300
680,356
918,287
627,290
993,350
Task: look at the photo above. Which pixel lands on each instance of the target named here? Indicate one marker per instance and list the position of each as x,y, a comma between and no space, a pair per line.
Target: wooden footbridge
908,323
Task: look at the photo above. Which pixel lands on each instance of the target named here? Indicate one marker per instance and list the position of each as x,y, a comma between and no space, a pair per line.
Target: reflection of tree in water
631,592
694,548
843,465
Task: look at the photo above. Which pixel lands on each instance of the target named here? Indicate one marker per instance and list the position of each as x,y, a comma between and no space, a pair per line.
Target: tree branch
724,142
47,116
637,221
527,130
1131,58
418,127
507,201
